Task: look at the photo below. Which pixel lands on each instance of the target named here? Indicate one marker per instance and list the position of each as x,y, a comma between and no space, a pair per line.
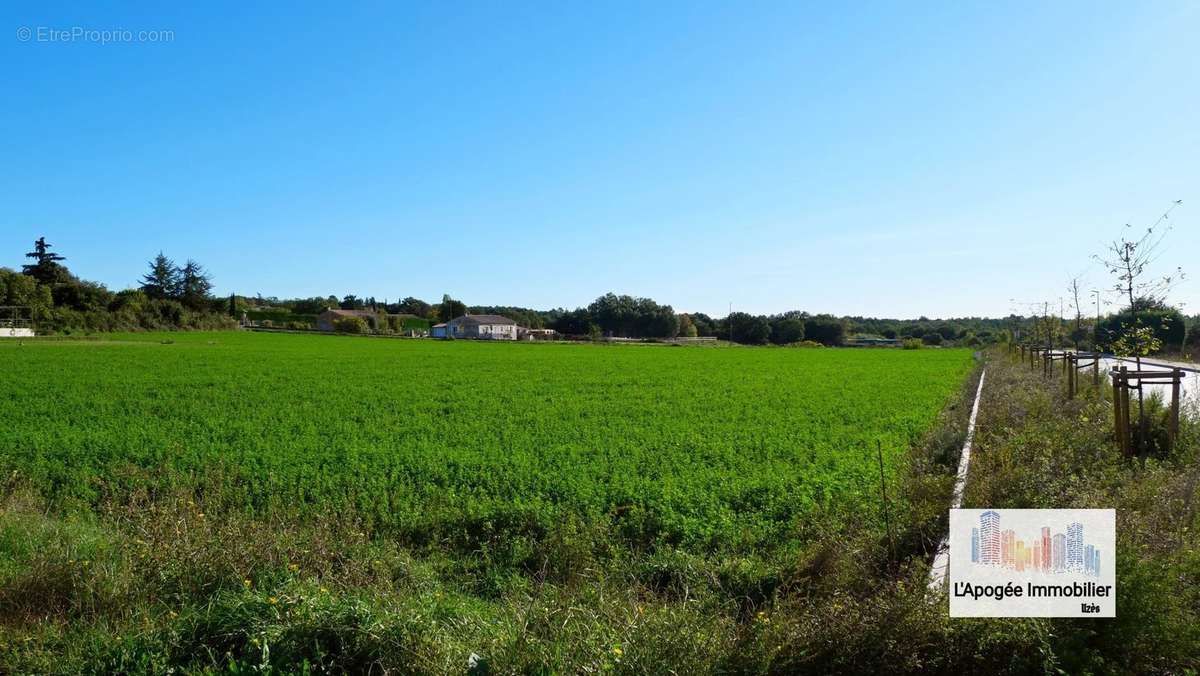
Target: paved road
1189,388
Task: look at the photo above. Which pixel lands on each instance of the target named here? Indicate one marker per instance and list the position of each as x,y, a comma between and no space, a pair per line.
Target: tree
656,321
932,338
232,305
81,295
686,327
1078,333
574,323
825,329
450,308
1127,260
787,330
615,315
314,306
705,325
632,317
414,306
748,329
195,284
22,289
1164,323
351,302
46,269
163,280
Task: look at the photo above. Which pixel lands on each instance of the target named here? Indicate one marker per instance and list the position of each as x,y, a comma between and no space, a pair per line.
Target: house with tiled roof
478,327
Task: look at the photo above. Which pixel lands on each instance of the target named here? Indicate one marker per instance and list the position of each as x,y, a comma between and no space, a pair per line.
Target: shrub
912,344
350,325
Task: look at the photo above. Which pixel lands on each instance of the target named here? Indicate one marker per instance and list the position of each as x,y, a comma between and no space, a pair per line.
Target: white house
481,327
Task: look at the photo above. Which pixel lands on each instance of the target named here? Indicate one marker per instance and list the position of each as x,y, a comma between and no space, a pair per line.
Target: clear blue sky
891,160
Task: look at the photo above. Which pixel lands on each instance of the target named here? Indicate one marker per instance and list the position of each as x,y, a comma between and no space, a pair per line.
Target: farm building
438,331
481,327
326,319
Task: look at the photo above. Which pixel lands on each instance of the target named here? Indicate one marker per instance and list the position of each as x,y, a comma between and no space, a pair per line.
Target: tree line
169,297
627,316
180,296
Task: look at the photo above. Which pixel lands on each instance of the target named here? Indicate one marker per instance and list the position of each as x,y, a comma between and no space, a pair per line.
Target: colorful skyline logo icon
1045,552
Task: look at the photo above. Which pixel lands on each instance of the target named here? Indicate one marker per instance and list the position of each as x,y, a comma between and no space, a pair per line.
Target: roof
482,319
440,326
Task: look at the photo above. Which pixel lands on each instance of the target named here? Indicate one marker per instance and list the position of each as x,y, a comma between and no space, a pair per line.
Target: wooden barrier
1125,380
1077,362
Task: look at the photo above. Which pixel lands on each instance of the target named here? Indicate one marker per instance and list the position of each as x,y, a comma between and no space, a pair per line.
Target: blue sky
881,159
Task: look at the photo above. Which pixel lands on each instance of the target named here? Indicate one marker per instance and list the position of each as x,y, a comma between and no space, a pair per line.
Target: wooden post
1118,414
1116,385
1126,441
1070,361
1096,371
1173,428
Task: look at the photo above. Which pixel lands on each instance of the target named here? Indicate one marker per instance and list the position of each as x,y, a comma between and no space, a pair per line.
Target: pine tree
162,282
46,270
194,285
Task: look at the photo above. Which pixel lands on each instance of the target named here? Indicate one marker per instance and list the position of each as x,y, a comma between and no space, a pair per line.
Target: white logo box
1033,563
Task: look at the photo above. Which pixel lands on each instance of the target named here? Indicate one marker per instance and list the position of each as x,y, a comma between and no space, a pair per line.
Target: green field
242,502
708,448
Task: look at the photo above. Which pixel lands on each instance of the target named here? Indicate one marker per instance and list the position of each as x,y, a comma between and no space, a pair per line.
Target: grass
237,502
705,449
